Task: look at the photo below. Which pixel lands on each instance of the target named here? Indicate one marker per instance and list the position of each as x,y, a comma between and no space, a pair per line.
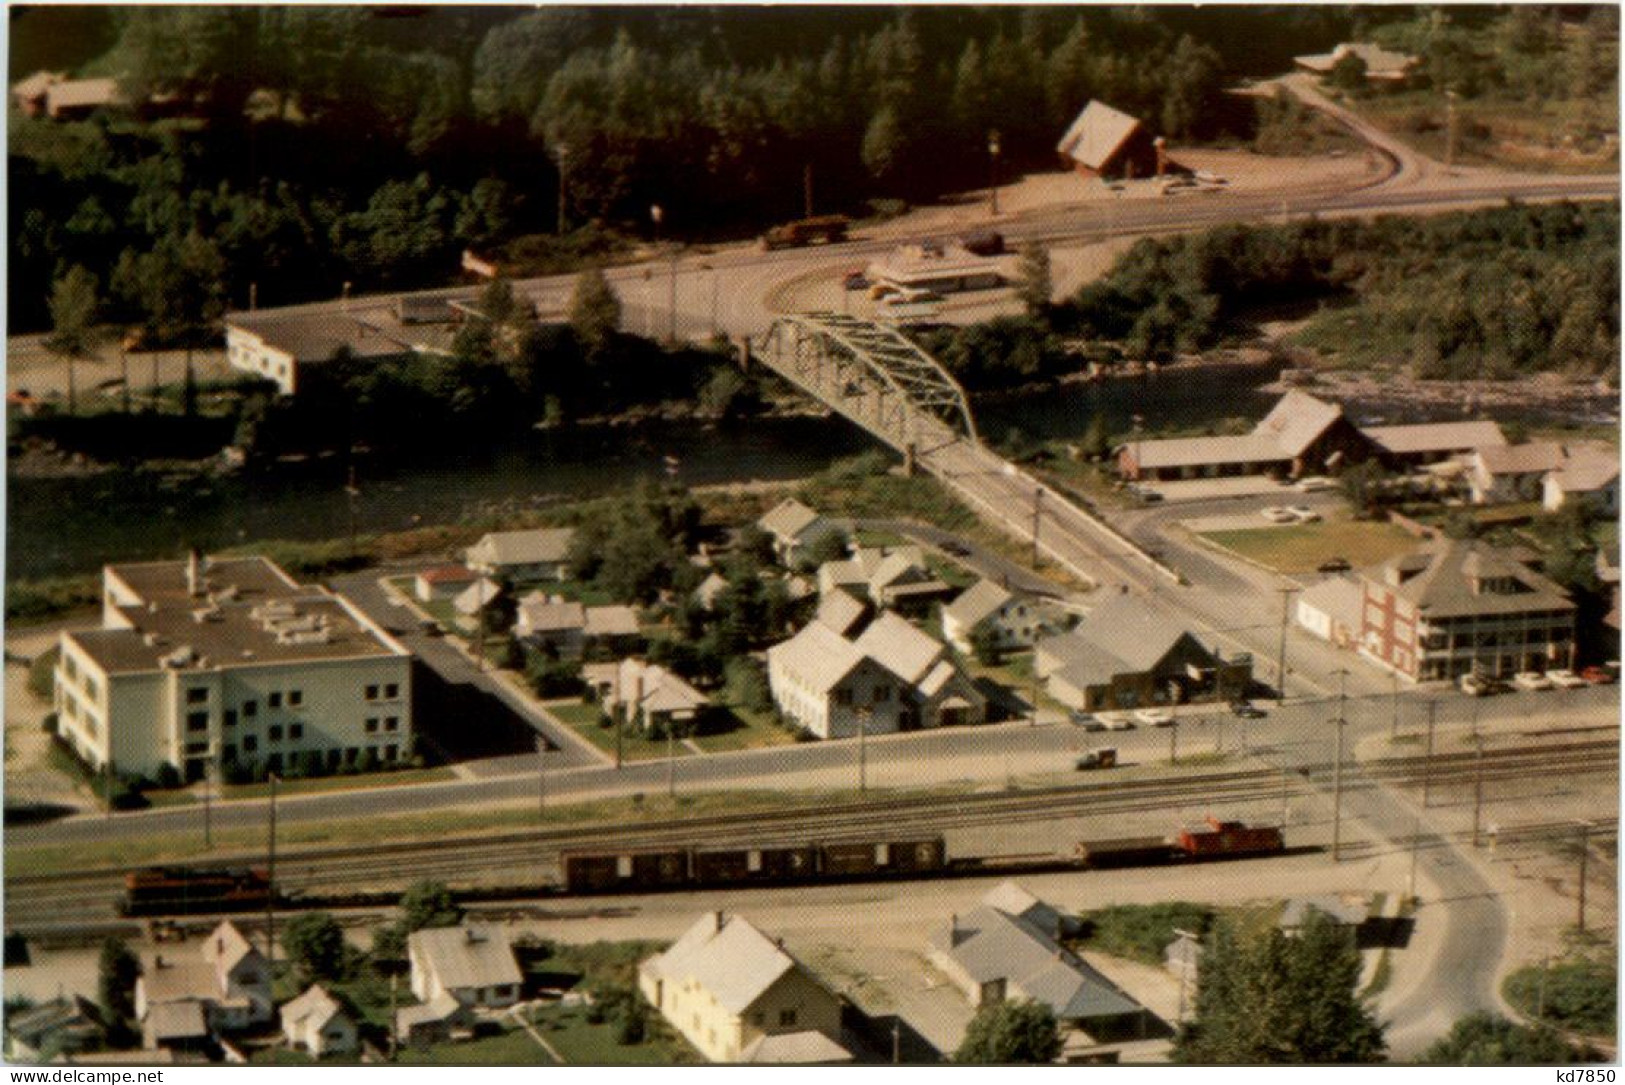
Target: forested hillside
302,148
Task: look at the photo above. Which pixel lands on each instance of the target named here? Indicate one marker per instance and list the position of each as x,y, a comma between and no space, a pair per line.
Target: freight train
679,867
181,890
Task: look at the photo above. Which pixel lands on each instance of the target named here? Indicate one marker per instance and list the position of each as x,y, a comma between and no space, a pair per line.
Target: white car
1275,514
1155,717
1565,679
1115,721
1315,485
1531,680
1303,514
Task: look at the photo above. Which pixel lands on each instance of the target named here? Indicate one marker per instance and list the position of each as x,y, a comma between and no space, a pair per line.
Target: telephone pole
1038,504
1478,783
1280,660
1427,760
863,750
1337,767
1585,852
541,778
270,872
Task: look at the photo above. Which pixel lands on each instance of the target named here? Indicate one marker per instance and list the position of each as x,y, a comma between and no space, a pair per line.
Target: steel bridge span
876,377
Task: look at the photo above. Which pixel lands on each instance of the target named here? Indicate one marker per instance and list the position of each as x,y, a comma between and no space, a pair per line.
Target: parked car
1334,565
983,243
1475,686
1116,721
1599,676
1246,710
1563,678
1275,514
1531,680
1104,758
856,280
1303,514
1155,717
1315,484
1086,720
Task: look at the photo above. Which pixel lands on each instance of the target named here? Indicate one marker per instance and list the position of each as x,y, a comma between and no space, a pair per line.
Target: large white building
230,661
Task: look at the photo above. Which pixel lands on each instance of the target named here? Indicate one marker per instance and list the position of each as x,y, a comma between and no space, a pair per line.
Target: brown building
1103,142
1300,436
1456,608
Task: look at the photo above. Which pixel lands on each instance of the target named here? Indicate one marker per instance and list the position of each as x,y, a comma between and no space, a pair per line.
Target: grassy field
583,1043
733,729
512,1048
1301,548
1497,131
340,783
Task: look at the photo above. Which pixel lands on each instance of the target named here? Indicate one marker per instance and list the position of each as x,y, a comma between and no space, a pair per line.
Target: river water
61,526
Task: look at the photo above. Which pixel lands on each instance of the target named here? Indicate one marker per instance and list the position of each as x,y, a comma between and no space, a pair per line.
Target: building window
351,754
196,749
197,721
391,691
228,753
392,723
197,695
372,693
372,725
296,731
787,1017
250,709
250,743
391,752
843,696
228,718
276,732
296,697
882,693
273,762
273,700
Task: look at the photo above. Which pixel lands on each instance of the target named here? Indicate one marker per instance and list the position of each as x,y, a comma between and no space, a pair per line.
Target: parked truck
821,230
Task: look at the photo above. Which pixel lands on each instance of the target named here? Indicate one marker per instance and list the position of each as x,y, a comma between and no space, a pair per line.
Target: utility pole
1478,782
1038,504
1585,853
1416,842
1173,743
993,173
620,719
1337,768
863,750
1427,761
1393,727
541,778
671,759
1280,659
270,871
564,155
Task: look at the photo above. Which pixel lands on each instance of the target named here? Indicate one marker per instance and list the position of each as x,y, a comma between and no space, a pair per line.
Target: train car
845,859
1226,838
1124,851
181,890
644,868
731,866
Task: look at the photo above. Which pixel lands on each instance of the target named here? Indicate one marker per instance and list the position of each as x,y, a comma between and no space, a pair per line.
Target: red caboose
1229,838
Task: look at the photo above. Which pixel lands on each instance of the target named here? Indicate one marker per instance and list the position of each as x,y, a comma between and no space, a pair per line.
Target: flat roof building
212,662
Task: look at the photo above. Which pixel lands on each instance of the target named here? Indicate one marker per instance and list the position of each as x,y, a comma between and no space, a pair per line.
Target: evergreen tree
1033,283
116,973
1484,1039
314,942
429,904
595,311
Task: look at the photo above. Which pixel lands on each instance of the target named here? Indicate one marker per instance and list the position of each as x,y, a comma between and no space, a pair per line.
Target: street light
993,172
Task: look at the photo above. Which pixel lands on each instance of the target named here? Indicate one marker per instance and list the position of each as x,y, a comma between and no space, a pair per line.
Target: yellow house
737,996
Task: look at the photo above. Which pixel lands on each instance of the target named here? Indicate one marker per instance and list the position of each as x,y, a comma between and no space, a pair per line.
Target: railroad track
532,856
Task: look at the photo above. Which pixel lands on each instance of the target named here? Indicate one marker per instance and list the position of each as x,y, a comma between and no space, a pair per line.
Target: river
59,526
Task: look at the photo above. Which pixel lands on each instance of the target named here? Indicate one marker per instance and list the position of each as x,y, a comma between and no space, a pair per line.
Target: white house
443,582
1015,621
650,695
891,678
1588,478
796,531
1511,472
738,996
219,661
474,965
318,1023
565,628
1331,610
535,554
225,984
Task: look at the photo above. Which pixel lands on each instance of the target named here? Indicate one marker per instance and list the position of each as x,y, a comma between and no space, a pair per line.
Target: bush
42,673
48,723
1580,994
633,1026
168,777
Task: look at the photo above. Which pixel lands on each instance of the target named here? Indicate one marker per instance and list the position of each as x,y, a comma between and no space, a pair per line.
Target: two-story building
738,996
474,965
796,531
527,556
223,986
892,677
212,662
1455,608
1012,621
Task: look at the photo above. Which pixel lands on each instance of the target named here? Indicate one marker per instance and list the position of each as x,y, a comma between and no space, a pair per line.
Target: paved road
985,753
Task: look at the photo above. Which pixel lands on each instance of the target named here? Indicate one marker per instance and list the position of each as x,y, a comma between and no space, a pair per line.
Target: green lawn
512,1048
1301,548
585,1044
745,730
734,729
340,783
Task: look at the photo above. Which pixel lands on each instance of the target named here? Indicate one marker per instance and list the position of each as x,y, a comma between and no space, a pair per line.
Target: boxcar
918,856
179,890
654,868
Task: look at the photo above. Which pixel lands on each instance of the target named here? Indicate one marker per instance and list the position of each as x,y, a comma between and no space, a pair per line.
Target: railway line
531,858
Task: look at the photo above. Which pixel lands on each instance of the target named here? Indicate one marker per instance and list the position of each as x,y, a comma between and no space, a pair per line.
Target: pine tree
1033,283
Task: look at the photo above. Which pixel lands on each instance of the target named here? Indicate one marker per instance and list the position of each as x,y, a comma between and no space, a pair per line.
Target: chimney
194,577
